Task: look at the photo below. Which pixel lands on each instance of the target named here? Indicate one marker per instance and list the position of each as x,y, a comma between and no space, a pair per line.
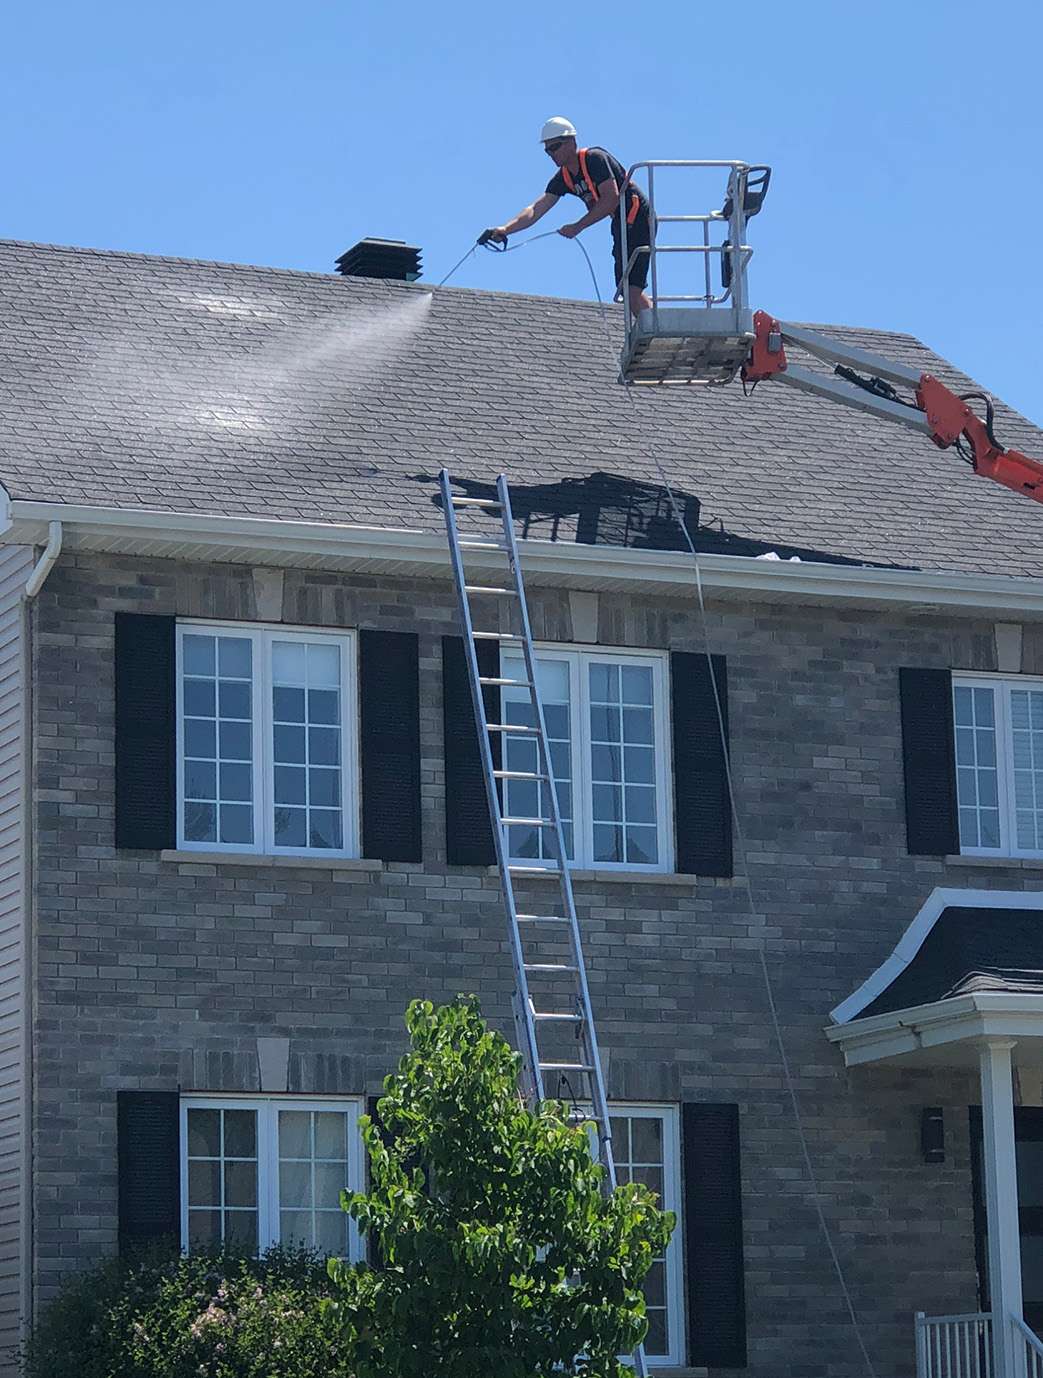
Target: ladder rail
564,879
547,818
530,1052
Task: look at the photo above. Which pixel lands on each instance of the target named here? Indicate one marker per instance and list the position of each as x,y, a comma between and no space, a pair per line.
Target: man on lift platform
595,177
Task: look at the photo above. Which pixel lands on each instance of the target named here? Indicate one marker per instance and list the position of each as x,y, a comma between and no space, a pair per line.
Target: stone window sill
675,878
310,863
1005,863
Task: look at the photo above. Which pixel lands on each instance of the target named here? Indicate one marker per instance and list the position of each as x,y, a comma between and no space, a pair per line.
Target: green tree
501,1256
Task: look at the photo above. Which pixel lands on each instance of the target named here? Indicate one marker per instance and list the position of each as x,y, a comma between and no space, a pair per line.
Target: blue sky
904,139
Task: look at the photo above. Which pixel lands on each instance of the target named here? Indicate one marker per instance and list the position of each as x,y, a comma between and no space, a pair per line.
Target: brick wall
152,973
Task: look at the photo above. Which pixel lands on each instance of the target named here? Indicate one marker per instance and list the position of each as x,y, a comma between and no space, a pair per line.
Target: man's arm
525,218
606,204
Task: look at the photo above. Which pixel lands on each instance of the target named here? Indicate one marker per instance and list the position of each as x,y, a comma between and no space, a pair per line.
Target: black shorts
639,233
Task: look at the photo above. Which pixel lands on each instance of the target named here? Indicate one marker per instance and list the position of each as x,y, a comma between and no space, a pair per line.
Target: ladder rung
497,636
481,545
518,775
543,918
534,870
474,502
510,820
513,727
566,1067
549,966
485,588
507,683
559,1018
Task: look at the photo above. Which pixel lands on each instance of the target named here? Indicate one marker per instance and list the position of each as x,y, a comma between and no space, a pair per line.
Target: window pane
241,1184
306,691
531,799
1026,712
217,729
642,846
331,1135
241,1229
204,1228
240,1133
637,684
288,705
295,1184
222,1175
204,1133
331,1232
310,1187
977,780
291,827
295,1133
638,1147
291,785
204,1184
200,822
608,843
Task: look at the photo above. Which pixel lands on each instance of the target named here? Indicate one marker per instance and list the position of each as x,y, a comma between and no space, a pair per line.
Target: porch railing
955,1346
1032,1348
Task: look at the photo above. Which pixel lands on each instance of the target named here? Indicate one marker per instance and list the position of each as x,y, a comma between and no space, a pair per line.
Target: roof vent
381,258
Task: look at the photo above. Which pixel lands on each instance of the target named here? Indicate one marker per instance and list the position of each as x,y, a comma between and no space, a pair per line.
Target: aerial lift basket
697,336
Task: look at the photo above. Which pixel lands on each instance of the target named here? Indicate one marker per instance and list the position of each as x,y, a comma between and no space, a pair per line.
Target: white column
1001,1202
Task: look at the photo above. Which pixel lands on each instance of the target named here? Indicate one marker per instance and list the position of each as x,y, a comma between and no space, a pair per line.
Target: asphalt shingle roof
135,381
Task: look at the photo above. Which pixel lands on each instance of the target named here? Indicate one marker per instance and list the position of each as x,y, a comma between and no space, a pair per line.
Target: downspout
45,563
33,585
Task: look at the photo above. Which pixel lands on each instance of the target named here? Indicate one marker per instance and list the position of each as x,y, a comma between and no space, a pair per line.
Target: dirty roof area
140,382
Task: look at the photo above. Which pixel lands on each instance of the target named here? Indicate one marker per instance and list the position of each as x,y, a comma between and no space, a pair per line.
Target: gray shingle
133,381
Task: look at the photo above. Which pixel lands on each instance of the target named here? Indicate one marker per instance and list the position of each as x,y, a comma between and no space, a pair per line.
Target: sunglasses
554,145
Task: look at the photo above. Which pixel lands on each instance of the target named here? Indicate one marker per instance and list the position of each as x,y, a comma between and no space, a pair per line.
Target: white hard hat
557,127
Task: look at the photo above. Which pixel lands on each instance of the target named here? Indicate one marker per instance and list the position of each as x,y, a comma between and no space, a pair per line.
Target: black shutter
149,1167
374,1255
468,832
389,733
703,814
714,1277
146,704
931,820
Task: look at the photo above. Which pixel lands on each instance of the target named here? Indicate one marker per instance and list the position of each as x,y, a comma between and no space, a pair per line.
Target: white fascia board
332,545
914,936
922,1028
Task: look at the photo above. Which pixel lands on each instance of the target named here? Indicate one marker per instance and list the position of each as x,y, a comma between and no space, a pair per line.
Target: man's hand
494,235
570,231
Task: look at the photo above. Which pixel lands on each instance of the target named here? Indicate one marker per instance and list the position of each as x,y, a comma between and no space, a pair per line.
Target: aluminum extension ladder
532,1024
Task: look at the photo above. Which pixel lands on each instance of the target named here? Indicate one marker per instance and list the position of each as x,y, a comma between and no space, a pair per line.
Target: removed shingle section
134,381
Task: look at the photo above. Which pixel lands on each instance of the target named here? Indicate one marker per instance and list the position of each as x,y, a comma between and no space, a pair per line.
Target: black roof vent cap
381,258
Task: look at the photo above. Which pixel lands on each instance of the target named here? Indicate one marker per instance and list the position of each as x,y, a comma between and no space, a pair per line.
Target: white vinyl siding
998,725
15,567
262,1171
607,725
267,740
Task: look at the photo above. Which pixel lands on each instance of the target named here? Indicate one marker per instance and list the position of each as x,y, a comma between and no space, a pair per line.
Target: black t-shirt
600,167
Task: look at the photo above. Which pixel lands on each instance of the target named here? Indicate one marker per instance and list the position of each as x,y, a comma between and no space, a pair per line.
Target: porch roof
969,966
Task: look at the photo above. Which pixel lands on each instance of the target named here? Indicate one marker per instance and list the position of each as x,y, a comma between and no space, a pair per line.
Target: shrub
209,1315
501,1256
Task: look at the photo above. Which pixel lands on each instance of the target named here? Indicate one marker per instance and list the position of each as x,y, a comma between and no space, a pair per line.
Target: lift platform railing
714,345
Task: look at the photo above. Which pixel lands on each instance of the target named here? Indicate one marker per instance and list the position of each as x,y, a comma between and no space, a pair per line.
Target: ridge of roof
390,284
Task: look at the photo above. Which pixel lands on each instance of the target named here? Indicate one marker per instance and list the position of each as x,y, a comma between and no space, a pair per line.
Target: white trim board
340,546
915,935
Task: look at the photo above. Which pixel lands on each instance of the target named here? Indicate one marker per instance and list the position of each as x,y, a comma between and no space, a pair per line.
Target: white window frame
1002,686
578,660
267,1108
672,1200
261,635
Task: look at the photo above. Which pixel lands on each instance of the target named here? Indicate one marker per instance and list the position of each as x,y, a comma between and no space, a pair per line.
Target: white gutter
342,546
45,563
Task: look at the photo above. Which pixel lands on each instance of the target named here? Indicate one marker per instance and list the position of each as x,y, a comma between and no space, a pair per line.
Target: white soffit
332,546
